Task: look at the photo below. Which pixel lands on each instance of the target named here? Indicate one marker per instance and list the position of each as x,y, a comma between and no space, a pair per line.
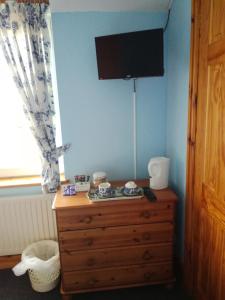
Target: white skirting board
24,220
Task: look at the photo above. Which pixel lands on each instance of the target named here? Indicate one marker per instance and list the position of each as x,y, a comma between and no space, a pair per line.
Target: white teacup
104,188
130,188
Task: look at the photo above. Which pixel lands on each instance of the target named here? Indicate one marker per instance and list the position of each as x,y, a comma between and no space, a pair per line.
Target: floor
18,288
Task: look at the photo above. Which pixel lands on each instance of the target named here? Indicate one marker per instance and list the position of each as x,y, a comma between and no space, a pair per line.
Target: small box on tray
82,183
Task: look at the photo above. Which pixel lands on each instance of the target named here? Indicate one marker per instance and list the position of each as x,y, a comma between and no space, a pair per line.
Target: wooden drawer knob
146,236
148,275
87,220
145,214
147,255
92,281
88,241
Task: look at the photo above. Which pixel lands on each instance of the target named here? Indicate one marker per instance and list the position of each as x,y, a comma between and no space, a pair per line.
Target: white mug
104,188
130,188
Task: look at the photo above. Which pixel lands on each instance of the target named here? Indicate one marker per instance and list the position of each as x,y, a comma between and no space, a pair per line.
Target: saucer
116,193
105,195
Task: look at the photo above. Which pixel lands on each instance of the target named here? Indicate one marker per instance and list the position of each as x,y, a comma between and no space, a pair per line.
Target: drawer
112,257
114,215
115,236
117,277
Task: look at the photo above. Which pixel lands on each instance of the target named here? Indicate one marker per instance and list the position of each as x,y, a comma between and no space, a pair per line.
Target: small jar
99,177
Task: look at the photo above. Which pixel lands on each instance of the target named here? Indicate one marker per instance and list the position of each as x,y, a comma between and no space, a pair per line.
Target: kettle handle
151,168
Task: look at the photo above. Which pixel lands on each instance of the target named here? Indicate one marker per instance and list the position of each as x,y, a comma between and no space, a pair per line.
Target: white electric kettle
158,169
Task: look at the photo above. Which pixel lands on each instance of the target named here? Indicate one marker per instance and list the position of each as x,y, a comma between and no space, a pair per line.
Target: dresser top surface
81,199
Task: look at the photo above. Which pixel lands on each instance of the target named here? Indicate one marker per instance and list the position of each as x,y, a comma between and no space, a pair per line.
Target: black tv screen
130,55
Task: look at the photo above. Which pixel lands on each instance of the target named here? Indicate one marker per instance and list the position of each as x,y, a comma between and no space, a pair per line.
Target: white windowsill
25,181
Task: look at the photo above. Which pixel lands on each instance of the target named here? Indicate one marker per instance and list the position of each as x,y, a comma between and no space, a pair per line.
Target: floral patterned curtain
25,40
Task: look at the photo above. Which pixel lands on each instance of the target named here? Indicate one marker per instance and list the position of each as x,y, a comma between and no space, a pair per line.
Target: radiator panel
24,220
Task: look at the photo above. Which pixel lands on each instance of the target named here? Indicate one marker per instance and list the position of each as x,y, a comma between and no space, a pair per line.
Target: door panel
214,171
207,242
215,137
211,255
217,21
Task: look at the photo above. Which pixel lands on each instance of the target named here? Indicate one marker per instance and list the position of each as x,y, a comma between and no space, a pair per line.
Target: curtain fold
25,40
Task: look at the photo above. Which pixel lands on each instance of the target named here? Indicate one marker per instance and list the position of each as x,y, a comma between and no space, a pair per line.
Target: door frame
190,274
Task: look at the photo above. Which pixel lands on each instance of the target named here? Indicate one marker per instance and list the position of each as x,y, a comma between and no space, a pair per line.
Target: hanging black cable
167,21
134,84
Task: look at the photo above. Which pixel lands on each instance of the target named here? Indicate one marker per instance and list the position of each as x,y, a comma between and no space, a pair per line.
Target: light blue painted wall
177,102
96,115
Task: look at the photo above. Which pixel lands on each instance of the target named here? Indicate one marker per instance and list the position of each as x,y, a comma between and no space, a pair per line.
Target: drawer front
112,257
115,236
114,215
117,277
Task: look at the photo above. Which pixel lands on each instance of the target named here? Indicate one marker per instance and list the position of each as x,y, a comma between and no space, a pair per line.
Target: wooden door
205,227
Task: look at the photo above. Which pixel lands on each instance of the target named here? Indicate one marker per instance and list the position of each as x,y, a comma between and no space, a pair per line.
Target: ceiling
109,5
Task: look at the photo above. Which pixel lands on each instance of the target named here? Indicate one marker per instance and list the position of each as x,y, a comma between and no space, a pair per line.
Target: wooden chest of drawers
115,244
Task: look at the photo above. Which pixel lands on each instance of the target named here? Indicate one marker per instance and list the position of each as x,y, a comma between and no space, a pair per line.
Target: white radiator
24,220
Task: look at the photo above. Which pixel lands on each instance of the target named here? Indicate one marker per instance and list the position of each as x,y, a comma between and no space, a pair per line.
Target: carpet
19,288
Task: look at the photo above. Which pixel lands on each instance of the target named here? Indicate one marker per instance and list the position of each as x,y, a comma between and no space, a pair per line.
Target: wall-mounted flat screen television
130,55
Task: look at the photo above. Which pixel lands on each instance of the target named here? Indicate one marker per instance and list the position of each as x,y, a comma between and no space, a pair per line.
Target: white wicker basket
41,259
44,275
43,282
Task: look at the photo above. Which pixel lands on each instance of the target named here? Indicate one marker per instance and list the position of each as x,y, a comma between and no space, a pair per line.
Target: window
19,154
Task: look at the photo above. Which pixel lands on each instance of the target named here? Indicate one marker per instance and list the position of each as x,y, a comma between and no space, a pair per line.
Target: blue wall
177,101
96,116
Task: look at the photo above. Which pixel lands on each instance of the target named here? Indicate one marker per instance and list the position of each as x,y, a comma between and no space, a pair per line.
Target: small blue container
69,190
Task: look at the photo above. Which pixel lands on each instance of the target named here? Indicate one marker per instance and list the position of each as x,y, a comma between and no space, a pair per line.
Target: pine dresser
115,244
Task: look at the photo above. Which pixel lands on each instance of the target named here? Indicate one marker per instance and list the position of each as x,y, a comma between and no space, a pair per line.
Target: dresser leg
66,297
